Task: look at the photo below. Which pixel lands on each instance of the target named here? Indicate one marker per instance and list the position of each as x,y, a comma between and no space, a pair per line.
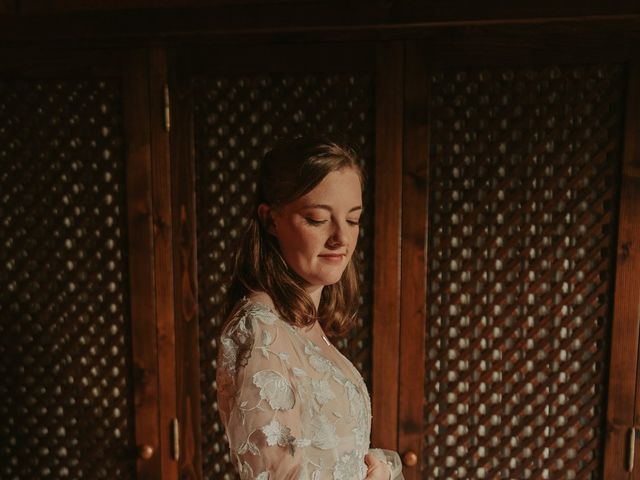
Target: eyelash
316,223
313,222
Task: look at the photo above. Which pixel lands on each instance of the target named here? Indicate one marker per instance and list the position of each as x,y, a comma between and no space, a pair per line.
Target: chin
325,278
331,280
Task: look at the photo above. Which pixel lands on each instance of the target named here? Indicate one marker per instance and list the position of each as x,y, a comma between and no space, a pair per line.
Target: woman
294,407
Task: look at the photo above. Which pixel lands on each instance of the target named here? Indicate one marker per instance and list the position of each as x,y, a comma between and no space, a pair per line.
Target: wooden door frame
185,267
131,71
160,125
623,407
527,47
387,243
414,257
141,262
385,61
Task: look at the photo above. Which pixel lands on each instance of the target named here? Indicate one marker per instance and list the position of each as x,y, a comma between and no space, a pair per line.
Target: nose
338,237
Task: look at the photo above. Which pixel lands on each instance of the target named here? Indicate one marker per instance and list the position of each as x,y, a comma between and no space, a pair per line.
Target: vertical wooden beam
387,223
163,258
630,215
141,260
185,257
414,258
624,388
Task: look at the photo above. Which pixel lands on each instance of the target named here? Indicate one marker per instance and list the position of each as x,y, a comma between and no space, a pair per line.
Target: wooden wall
425,89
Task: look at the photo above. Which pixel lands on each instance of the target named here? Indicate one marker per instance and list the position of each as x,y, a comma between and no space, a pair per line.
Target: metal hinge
631,442
175,439
167,108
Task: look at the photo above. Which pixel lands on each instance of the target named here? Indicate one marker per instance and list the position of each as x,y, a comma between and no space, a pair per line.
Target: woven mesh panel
237,119
65,395
520,259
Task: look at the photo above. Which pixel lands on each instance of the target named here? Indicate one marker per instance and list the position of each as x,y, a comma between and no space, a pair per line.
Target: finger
373,461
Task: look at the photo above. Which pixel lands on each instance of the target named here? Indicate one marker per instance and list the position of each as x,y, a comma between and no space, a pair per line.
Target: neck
315,293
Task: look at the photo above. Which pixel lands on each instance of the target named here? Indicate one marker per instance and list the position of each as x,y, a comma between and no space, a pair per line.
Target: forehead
338,188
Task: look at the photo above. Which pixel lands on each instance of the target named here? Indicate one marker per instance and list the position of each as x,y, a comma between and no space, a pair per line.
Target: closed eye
353,223
312,221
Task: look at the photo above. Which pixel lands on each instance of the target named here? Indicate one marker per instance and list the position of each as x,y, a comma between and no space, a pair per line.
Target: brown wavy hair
288,171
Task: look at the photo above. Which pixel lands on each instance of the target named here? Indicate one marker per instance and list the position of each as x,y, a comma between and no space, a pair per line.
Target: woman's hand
376,470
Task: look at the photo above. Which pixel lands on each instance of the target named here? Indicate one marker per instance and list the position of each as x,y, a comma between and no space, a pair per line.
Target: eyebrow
327,207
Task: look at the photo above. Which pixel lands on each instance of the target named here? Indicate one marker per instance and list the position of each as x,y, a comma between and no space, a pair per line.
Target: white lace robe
290,410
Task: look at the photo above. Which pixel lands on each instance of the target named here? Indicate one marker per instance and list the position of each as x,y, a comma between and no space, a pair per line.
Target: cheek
354,237
299,242
314,242
353,242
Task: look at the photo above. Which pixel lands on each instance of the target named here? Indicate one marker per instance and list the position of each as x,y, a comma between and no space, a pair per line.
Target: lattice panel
65,395
520,267
237,119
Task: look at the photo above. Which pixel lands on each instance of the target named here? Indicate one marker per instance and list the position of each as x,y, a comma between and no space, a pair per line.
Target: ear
266,218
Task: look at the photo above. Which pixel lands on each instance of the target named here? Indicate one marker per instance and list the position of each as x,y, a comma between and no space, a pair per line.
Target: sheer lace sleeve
392,459
257,398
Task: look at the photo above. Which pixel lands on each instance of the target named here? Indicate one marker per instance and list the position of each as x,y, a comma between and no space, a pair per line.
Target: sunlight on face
318,232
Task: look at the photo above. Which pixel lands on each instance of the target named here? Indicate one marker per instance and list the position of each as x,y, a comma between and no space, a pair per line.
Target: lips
335,256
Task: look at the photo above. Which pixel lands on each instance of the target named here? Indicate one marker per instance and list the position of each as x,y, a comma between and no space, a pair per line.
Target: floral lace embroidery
348,467
334,412
246,473
275,389
322,391
324,433
278,434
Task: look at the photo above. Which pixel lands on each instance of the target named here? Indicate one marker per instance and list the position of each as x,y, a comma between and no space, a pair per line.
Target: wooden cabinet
509,262
79,347
236,107
499,313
